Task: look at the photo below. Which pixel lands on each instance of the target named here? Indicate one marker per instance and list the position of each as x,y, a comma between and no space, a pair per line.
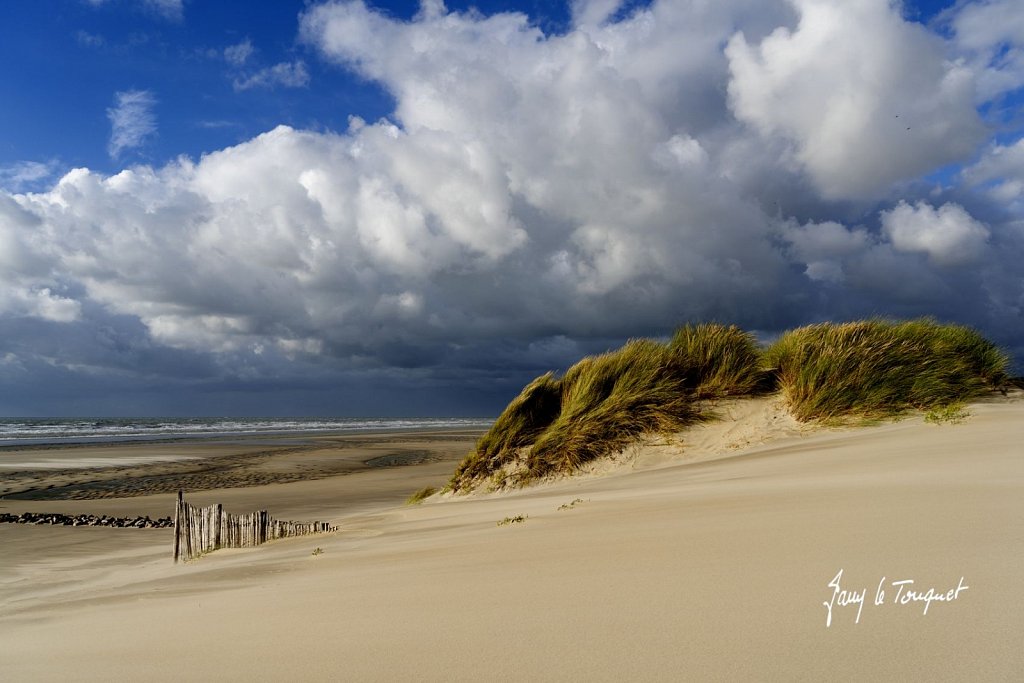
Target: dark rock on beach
86,520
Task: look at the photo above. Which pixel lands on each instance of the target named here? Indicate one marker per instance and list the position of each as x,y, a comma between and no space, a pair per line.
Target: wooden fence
202,530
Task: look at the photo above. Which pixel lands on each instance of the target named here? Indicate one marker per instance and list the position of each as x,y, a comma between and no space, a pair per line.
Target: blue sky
70,62
388,208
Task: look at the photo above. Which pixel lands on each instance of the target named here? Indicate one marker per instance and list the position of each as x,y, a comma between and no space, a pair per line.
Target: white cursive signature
905,594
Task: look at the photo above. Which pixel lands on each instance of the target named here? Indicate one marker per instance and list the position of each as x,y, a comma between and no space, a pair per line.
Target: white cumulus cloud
593,12
1000,170
948,235
866,98
990,35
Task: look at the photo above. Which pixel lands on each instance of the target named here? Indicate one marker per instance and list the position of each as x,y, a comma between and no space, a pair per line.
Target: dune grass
718,360
525,419
879,368
604,402
831,371
608,401
420,495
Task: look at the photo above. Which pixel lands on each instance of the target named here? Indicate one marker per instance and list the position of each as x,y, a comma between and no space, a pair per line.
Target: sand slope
710,569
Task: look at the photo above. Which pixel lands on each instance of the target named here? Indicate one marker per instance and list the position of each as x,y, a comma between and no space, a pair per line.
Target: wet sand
146,468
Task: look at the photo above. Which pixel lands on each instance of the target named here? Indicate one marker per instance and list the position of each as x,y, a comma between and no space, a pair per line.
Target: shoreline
8,445
125,470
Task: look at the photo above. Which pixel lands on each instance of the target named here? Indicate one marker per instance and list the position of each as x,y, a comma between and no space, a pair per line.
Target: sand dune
708,565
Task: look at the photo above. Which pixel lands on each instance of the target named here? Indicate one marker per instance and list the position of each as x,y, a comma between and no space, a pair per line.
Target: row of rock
86,520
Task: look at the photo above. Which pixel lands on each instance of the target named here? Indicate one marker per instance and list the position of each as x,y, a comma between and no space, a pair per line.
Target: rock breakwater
86,520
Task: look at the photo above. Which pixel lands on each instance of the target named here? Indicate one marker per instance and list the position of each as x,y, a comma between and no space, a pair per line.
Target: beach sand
703,557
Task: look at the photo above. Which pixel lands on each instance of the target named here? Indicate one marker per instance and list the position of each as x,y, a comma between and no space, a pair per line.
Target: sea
57,431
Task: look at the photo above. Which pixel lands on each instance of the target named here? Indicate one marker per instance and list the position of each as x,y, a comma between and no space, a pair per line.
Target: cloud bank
536,197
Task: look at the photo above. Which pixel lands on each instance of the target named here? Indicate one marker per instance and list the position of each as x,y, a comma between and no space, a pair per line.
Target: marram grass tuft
605,402
877,368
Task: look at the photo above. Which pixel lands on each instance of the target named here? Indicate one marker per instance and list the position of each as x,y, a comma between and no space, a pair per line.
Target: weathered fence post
218,513
177,525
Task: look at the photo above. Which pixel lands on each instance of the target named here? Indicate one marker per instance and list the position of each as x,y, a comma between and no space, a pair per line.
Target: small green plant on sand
318,551
570,506
954,413
419,496
518,519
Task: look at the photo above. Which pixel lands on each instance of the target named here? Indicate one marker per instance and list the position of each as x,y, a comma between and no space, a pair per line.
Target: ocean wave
15,431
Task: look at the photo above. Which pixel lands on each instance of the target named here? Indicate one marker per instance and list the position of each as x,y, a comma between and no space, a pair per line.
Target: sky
397,208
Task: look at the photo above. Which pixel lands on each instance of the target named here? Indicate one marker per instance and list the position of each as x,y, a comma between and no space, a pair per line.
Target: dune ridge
825,372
